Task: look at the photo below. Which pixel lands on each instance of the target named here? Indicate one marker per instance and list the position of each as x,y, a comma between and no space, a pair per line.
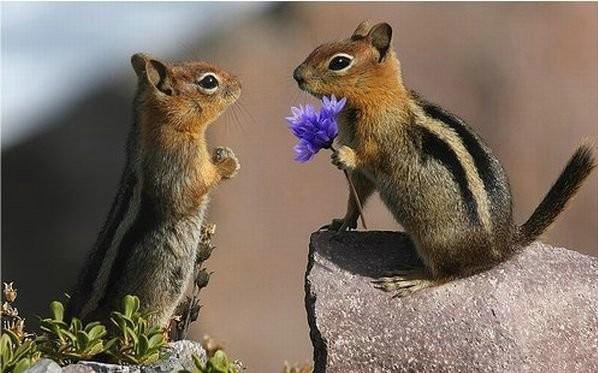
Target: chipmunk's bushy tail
576,171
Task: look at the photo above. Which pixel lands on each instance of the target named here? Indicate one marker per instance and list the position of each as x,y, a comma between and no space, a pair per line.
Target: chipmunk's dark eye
340,62
208,82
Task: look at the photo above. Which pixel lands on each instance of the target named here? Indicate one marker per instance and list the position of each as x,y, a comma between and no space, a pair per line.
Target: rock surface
45,366
180,357
537,312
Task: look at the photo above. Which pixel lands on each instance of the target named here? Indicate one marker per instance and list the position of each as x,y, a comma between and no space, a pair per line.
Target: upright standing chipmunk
148,244
436,176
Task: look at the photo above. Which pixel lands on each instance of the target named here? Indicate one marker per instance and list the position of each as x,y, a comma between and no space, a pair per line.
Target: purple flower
315,131
331,107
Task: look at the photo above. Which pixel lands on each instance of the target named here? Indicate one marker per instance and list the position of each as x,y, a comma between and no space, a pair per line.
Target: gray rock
106,368
44,366
180,357
537,312
77,368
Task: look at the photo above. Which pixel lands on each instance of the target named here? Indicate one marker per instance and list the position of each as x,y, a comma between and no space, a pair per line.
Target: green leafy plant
16,355
136,342
68,343
17,348
132,340
218,363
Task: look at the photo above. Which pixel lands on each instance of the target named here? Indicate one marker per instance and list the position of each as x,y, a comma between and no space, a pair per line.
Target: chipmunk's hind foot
404,281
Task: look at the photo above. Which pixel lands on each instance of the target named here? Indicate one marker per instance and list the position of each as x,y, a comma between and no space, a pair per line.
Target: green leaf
130,359
151,358
156,340
92,325
22,350
76,325
6,348
22,365
98,331
72,337
57,310
142,346
131,333
13,337
111,343
197,361
154,330
95,347
82,340
219,360
130,305
52,323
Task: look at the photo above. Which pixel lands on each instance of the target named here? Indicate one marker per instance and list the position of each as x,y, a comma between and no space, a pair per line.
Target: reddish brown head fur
371,76
185,97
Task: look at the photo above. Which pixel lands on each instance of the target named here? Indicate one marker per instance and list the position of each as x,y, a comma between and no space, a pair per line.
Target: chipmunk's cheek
312,87
233,95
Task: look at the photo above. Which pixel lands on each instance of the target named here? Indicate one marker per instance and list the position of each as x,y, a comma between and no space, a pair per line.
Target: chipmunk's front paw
344,158
339,225
226,161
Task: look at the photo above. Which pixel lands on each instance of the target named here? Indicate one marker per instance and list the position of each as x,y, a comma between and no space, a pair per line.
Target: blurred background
524,76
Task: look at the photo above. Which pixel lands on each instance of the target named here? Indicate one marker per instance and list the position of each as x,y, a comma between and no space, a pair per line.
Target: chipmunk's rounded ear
361,31
155,72
138,61
380,36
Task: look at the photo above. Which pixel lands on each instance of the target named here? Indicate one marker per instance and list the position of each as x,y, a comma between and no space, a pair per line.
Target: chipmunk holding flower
148,244
438,178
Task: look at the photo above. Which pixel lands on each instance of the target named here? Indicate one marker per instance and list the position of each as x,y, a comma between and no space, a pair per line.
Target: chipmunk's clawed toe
339,225
404,281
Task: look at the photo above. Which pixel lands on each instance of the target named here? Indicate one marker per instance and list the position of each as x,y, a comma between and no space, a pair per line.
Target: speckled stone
537,312
105,368
77,368
44,366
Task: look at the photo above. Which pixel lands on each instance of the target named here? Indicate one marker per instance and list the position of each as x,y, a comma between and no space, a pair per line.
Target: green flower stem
355,196
357,200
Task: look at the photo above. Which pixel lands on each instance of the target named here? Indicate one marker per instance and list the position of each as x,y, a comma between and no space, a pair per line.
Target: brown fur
174,126
425,163
148,245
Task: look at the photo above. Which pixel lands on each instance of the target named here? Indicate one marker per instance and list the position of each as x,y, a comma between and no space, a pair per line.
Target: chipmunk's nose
298,75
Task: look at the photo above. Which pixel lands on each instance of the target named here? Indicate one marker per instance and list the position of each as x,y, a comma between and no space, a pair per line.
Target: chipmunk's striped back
481,178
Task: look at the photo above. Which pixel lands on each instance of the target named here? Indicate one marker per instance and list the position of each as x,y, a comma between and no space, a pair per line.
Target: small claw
402,293
381,280
221,153
325,227
405,281
334,225
348,226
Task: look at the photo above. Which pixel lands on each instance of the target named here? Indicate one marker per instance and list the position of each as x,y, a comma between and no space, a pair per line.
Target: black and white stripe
474,170
434,147
484,163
